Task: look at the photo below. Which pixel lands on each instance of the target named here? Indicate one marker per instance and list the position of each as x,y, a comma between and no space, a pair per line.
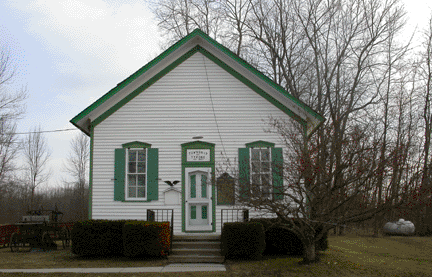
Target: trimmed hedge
146,238
282,241
243,240
97,237
120,237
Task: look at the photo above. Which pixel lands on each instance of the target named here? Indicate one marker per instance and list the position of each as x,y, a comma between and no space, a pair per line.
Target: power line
49,131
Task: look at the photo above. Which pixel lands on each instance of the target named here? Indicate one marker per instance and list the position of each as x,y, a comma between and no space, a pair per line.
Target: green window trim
244,158
136,144
260,144
152,175
136,171
211,192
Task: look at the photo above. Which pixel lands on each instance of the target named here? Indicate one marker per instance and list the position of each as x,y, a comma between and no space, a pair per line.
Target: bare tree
9,146
424,190
78,166
11,109
340,57
36,156
178,18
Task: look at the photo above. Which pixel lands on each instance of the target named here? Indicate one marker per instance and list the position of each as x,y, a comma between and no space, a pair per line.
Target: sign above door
198,155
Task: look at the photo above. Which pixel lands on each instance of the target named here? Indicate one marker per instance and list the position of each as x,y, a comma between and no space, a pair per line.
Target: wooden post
245,215
150,215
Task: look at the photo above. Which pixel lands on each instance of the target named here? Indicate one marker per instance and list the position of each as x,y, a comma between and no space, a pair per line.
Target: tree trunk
309,255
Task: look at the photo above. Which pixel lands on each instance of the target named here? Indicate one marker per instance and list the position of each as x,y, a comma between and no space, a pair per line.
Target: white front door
198,199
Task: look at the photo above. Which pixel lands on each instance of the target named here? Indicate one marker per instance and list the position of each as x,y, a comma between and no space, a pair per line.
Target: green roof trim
131,78
260,143
257,73
173,65
174,47
136,144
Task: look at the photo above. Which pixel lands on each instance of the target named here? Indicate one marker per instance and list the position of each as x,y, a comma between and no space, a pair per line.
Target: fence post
245,215
150,215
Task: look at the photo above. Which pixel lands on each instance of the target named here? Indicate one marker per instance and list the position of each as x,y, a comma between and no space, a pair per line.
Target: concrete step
196,244
196,238
193,252
196,248
195,259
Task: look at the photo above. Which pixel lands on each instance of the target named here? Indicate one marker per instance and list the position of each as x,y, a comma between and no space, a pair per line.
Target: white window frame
127,173
270,168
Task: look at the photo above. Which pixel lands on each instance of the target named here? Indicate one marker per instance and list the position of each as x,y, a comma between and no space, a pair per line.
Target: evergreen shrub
97,237
243,240
146,238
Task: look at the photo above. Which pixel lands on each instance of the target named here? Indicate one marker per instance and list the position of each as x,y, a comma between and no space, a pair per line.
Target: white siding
169,113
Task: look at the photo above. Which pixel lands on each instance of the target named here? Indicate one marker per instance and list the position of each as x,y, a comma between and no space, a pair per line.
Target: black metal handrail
237,215
154,215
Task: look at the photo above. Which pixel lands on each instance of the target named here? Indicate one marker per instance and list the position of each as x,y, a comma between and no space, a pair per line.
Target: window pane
132,192
193,186
141,156
141,167
193,212
141,180
203,186
132,167
255,167
204,212
265,179
255,188
255,154
131,180
265,154
265,167
256,179
141,192
266,191
132,156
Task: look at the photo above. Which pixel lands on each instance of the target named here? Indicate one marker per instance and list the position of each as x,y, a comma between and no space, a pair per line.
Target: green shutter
244,173
277,161
153,174
119,174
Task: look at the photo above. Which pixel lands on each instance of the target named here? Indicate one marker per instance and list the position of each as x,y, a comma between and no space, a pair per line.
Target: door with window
198,201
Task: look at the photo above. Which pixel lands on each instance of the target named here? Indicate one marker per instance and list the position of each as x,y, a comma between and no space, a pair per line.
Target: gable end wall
179,106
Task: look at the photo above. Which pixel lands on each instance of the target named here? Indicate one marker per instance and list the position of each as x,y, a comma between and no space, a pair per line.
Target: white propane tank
400,227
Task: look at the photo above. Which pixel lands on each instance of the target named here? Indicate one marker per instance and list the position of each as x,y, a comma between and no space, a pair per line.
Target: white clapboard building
179,119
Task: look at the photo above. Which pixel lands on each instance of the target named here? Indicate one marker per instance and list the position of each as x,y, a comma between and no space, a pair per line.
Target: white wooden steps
197,248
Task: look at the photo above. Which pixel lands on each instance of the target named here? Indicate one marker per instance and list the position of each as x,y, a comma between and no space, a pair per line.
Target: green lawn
64,258
346,256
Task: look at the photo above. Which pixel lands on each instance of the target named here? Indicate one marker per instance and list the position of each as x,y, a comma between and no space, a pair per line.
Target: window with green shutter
136,172
261,170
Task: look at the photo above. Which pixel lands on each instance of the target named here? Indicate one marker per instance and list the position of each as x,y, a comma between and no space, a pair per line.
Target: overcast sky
71,52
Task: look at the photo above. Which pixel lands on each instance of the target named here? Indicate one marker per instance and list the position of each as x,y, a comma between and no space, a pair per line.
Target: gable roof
197,41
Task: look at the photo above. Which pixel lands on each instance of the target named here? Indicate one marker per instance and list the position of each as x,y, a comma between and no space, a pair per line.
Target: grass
63,258
348,255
